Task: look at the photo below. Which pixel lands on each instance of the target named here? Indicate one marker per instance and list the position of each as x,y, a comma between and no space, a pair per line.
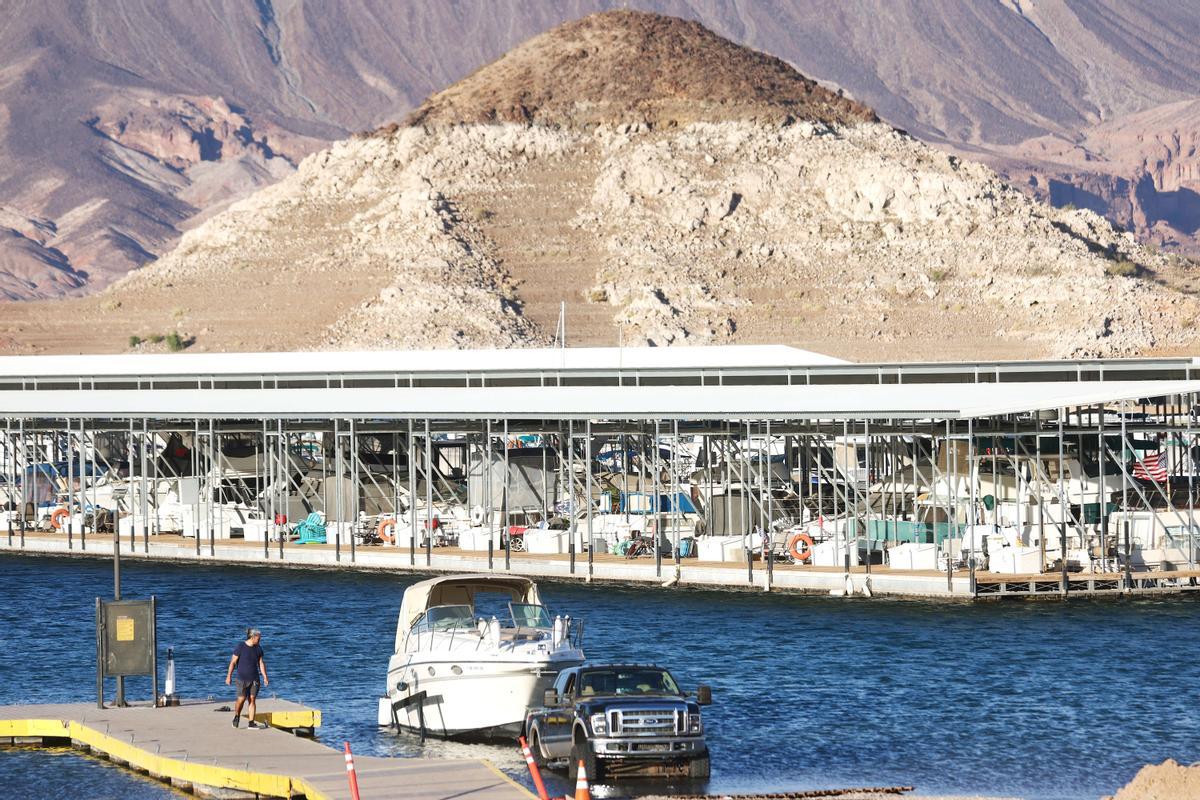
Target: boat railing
561,632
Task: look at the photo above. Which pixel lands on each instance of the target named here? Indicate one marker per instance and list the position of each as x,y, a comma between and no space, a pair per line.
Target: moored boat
466,671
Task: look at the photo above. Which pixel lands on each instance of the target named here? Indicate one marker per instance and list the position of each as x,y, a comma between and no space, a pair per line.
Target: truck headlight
694,724
599,724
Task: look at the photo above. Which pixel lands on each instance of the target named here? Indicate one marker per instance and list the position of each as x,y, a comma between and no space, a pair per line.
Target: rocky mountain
124,123
668,187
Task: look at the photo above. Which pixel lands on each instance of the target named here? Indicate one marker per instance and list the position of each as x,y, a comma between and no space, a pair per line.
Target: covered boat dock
763,467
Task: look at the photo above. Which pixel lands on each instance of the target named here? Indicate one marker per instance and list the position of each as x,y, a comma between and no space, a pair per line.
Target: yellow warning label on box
124,629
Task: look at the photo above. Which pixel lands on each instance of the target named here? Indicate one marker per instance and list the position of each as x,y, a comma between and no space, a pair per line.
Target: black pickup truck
620,719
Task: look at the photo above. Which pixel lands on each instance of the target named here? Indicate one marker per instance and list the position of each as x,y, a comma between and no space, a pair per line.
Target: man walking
248,660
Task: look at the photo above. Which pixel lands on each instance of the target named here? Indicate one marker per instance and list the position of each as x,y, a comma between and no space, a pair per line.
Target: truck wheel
699,767
582,751
535,747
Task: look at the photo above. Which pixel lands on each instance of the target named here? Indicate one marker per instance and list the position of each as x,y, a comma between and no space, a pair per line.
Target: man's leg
237,709
252,690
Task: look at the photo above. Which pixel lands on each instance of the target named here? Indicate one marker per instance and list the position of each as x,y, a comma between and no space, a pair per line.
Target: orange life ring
57,517
381,530
808,547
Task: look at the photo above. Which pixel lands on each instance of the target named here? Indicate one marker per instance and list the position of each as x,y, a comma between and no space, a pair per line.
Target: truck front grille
647,721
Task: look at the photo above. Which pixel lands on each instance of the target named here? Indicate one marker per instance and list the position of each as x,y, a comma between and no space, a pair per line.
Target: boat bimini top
451,590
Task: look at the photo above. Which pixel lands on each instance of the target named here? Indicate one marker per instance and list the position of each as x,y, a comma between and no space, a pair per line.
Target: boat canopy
459,590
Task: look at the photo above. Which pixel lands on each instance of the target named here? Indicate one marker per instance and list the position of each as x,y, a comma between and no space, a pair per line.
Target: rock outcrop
744,224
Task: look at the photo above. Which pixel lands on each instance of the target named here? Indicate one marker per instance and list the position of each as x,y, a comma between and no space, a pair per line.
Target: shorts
247,688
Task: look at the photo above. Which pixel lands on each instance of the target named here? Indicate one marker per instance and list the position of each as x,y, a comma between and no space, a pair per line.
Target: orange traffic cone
581,784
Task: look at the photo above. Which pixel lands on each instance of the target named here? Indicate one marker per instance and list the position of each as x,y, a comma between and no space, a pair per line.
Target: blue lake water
1038,700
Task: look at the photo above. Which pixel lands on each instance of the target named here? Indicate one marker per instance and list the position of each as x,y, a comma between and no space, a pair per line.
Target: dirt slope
743,224
635,67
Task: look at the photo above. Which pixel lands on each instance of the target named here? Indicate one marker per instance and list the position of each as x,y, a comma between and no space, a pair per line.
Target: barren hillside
815,227
124,123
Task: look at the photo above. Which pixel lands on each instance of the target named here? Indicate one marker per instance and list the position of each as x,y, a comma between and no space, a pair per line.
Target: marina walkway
605,567
884,581
194,748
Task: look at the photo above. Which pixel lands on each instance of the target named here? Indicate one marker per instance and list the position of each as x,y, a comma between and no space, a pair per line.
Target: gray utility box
126,641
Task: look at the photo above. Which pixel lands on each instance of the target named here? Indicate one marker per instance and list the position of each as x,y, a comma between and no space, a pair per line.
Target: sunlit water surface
1041,700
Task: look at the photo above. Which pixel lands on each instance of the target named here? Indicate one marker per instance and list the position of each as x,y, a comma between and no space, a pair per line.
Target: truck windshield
623,681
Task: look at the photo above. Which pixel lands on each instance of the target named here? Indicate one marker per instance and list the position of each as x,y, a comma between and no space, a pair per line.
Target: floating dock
194,748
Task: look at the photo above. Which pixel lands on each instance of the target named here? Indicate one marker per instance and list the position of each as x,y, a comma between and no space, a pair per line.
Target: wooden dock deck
194,747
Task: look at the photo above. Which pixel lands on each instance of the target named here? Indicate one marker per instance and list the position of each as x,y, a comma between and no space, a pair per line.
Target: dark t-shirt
247,663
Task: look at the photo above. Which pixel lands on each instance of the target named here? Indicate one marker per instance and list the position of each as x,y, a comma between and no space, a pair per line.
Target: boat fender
57,517
797,554
382,530
477,515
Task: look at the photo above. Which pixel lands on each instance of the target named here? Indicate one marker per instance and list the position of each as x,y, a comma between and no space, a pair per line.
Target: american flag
1150,468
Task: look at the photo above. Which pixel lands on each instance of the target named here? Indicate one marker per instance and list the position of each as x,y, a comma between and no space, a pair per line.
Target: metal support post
506,526
287,486
1190,459
267,472
973,517
214,453
412,498
10,463
195,454
1062,506
1125,505
656,505
90,478
951,505
356,472
70,491
129,494
587,471
677,489
340,500
428,494
145,487
572,512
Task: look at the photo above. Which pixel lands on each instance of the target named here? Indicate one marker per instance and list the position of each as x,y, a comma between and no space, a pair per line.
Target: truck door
558,721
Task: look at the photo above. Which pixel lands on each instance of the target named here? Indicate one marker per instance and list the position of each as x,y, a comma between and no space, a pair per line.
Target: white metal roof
527,359
871,401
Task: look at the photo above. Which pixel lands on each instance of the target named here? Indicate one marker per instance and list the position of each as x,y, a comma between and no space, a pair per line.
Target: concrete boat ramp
194,748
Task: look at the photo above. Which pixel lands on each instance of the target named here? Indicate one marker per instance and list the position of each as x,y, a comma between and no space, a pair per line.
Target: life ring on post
801,555
57,517
382,530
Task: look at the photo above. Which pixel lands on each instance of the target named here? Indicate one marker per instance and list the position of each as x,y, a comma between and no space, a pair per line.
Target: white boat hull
486,699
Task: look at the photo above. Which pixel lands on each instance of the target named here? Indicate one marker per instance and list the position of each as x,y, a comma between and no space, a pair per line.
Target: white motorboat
473,653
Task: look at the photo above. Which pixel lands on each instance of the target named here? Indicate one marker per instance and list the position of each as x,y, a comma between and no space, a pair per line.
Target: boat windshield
626,681
445,618
527,615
